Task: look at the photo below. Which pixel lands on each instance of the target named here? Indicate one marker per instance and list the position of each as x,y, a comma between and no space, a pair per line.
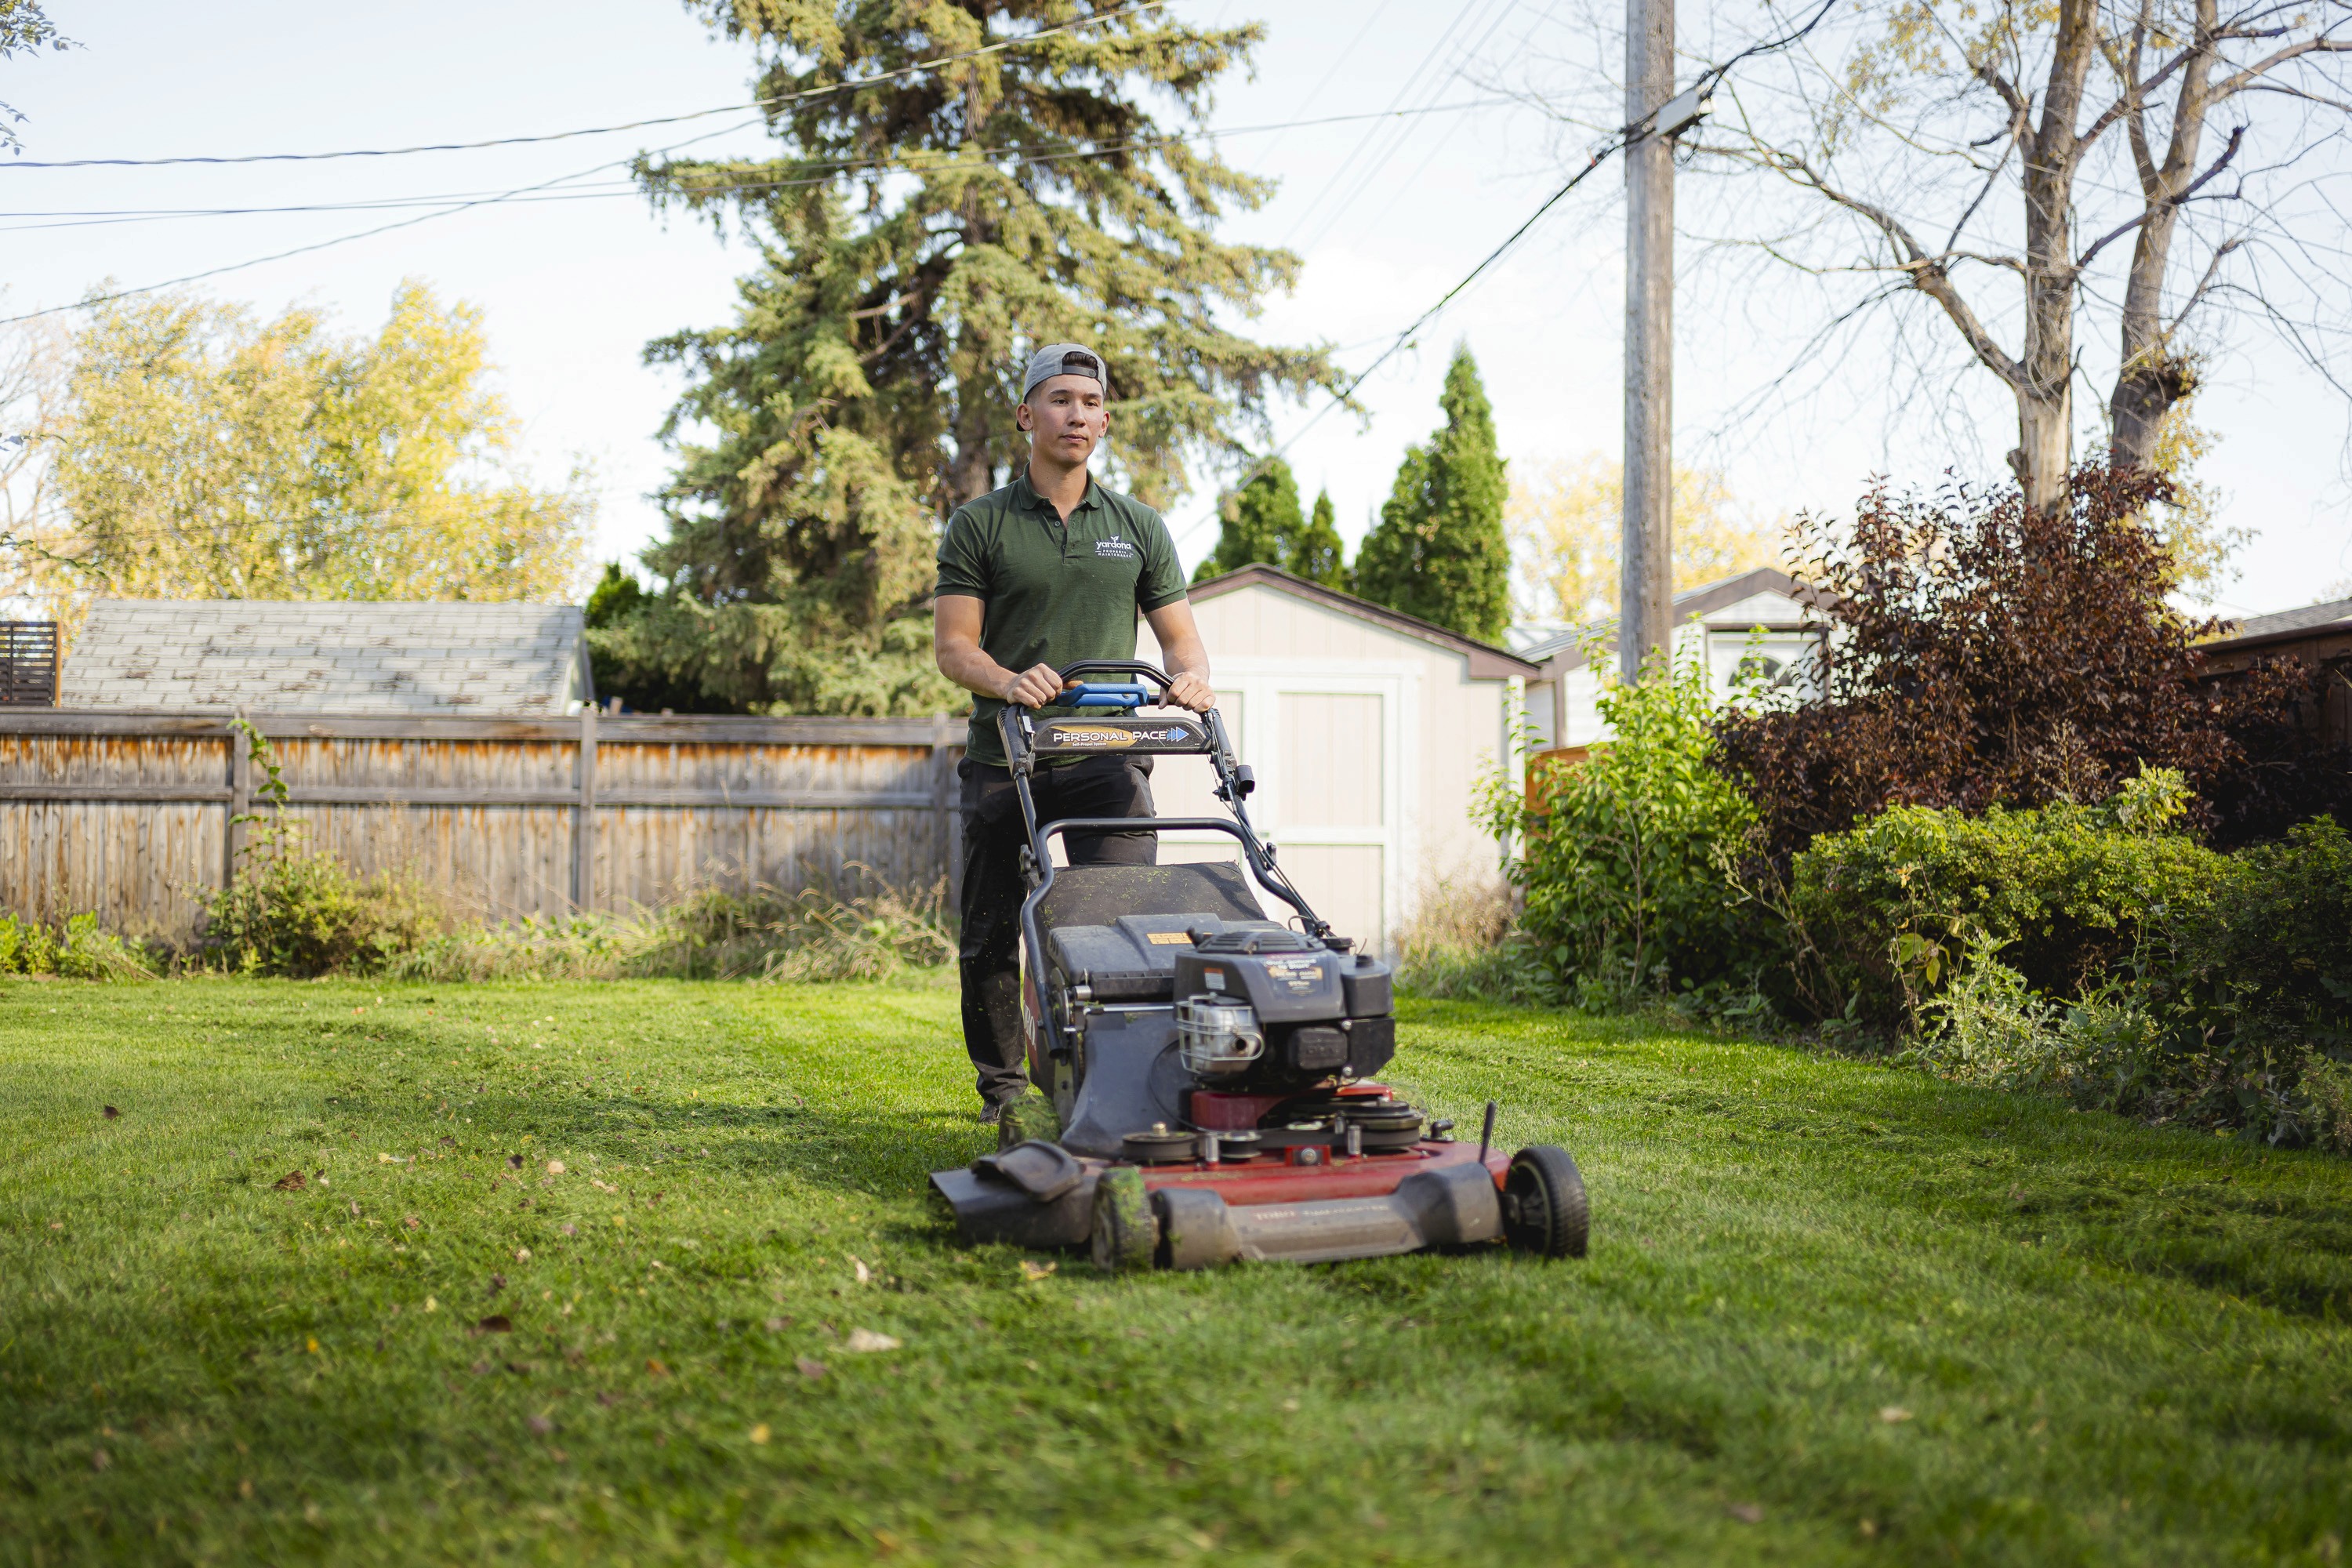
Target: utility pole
1645,582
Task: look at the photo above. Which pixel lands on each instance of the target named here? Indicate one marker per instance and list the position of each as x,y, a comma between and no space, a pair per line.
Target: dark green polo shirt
1054,594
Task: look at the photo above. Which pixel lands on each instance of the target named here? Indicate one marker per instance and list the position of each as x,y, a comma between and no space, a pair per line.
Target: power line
531,194
763,103
1614,143
631,188
1599,155
97,299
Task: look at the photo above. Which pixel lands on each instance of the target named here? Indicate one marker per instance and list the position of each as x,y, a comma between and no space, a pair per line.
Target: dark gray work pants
989,958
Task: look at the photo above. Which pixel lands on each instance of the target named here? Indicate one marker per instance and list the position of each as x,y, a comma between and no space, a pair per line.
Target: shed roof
1488,662
1764,596
495,660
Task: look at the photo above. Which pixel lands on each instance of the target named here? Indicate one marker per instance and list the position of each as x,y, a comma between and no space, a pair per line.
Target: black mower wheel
1543,1203
1125,1231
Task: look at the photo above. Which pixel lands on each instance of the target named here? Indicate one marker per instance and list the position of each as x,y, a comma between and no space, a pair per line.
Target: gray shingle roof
328,657
2294,620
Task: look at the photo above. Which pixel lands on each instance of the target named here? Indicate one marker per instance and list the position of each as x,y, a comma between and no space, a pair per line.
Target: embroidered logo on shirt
1114,545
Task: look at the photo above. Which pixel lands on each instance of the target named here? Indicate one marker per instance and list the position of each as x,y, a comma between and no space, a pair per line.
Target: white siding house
1368,731
1765,615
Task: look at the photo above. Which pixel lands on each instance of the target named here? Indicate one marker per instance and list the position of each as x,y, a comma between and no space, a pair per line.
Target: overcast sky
1388,215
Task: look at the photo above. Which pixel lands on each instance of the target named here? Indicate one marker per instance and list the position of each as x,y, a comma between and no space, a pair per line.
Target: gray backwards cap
1063,359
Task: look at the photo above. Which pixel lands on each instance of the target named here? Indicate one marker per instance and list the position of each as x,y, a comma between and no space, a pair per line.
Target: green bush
1626,859
2067,893
294,912
301,914
2232,1008
76,950
2257,980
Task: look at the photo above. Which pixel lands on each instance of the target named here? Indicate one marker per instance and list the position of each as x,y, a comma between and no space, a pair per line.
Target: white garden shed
1370,731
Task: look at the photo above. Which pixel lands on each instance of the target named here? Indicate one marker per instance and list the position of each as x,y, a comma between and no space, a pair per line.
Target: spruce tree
1439,551
922,231
1259,523
1319,555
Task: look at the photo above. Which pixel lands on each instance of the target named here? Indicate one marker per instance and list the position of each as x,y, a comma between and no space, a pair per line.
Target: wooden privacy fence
131,814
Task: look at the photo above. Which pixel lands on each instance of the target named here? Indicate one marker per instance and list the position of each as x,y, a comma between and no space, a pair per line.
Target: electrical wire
98,216
97,299
1617,142
1599,155
761,103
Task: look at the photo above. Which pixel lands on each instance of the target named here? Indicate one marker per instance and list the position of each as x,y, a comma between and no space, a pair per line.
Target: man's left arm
1159,595
1187,659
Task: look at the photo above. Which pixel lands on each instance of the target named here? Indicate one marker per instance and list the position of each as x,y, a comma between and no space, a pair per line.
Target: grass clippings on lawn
645,1272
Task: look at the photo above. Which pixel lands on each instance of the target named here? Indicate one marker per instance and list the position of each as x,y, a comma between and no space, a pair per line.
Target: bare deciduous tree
32,394
2017,165
2026,97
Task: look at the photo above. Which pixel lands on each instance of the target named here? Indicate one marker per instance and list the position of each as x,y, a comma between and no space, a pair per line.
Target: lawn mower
1204,1086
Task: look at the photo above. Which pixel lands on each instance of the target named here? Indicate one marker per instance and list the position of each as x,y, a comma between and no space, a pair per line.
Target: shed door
1332,799
1325,748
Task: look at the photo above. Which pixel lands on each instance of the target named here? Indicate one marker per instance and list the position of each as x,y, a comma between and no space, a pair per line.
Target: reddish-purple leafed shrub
1983,653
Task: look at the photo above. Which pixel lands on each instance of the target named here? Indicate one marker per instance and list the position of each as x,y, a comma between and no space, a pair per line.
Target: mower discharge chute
1211,1072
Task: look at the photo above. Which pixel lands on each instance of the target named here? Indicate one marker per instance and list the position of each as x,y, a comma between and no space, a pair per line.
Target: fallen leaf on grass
111,1113
291,1182
1033,1269
655,1368
569,1230
98,1457
885,1541
411,1222
809,1368
1893,1412
1747,1512
523,1255
496,1323
555,1167
760,1434
541,1425
778,1325
56,1224
498,1283
355,1210
431,1305
864,1273
864,1340
449,1142
601,1186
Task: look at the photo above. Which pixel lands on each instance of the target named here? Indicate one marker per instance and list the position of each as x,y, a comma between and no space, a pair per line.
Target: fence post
943,801
583,819
240,802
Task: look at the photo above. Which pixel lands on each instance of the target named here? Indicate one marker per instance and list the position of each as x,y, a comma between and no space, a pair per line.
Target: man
1045,572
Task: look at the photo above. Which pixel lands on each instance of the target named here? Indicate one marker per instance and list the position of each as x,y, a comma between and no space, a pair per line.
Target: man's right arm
956,621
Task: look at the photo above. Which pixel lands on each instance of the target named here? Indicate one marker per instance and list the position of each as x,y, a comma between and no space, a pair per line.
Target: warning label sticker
1299,976
1169,939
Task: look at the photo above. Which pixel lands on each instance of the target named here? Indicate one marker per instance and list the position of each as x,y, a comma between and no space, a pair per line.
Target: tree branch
2263,67
2213,270
1927,274
2237,136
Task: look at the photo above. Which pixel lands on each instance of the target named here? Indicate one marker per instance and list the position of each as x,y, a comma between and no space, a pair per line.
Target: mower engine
1272,1010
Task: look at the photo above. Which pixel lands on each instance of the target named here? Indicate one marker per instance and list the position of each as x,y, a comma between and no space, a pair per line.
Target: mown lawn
1832,1313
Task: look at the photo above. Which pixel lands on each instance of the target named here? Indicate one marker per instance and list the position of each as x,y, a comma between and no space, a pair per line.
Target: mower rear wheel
1543,1203
1125,1231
